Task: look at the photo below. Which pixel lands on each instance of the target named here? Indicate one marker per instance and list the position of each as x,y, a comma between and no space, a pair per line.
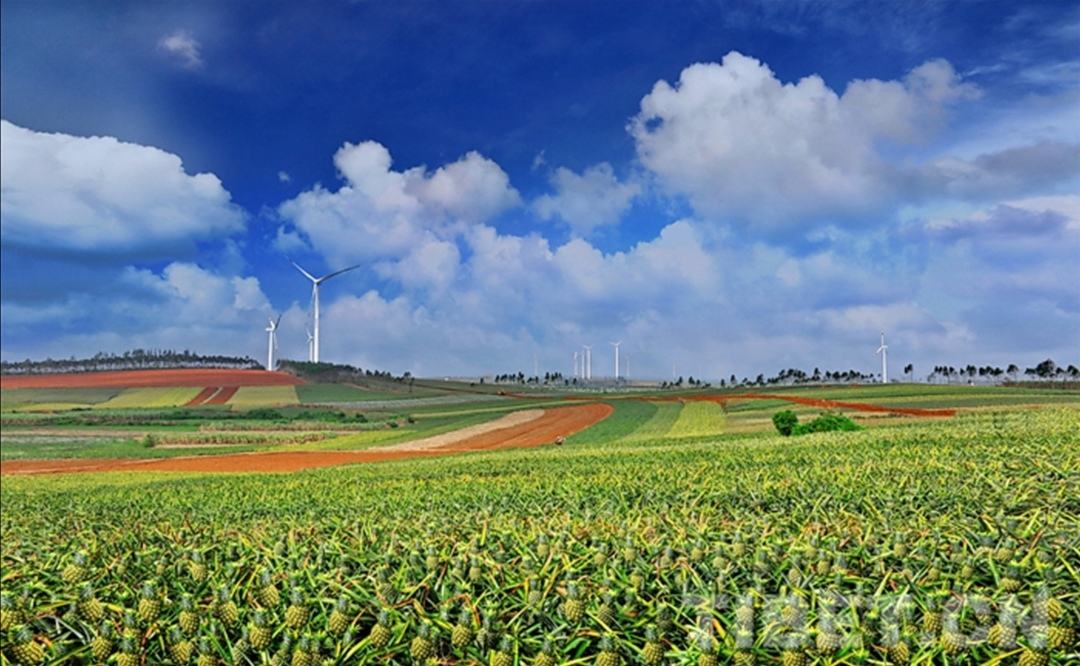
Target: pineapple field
953,541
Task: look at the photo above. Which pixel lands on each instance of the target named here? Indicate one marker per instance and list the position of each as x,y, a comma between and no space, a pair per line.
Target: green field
668,526
263,396
150,398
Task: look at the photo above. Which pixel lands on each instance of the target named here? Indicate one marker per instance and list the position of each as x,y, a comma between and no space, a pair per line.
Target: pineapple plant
707,651
26,650
1060,638
149,604
573,607
606,612
422,648
546,657
225,608
206,655
380,633
1032,657
89,606
652,653
259,633
296,615
609,655
188,618
1002,635
338,621
101,645
268,594
180,648
127,655
793,656
462,634
9,614
196,567
952,641
75,570
503,656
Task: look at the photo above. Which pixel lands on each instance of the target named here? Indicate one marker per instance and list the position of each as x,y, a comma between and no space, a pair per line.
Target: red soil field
223,396
202,396
560,421
147,378
826,404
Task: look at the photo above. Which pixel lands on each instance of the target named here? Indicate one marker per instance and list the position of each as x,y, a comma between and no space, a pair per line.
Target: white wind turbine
272,342
310,344
884,351
315,282
587,373
616,346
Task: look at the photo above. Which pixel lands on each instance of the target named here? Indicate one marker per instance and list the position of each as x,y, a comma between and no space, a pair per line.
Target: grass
698,418
264,396
59,448
11,398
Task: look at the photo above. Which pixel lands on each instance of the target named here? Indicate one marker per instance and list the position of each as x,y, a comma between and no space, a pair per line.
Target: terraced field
697,419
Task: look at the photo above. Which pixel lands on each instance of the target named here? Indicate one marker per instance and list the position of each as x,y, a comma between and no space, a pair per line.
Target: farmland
661,531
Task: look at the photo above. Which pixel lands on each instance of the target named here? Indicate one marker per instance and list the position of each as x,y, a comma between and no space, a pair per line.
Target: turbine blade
343,270
306,274
278,320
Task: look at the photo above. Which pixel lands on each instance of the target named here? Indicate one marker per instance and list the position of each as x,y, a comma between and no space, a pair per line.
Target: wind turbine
884,351
588,362
315,282
616,346
272,342
310,345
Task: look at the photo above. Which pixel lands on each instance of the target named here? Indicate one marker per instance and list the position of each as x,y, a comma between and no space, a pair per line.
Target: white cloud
588,200
737,141
380,213
98,195
183,46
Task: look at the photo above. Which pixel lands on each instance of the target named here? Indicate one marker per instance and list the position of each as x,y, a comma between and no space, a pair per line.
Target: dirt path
202,396
222,396
145,378
824,404
556,422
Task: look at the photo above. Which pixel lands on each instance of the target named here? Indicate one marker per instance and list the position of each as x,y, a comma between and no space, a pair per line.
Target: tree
785,422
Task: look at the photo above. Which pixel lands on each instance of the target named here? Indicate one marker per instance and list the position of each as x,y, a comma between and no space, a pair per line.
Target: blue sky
729,187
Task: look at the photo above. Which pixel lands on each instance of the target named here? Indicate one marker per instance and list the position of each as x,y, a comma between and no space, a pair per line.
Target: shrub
149,441
785,422
827,422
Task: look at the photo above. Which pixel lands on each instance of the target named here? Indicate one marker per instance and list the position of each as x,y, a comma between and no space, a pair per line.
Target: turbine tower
315,282
310,344
884,351
616,346
272,342
588,362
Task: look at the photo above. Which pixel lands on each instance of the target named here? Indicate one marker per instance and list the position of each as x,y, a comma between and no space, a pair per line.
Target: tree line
134,359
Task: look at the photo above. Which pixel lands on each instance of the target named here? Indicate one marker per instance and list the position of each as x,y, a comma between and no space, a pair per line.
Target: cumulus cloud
99,196
380,213
588,200
182,46
737,141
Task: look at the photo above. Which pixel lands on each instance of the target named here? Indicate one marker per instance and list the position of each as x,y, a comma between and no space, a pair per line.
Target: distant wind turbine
272,342
884,351
616,346
315,282
310,344
588,362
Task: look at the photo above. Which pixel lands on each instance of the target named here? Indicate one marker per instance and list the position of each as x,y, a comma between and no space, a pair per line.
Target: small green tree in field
785,422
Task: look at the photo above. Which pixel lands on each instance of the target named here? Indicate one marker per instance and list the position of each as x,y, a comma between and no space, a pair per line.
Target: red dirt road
148,378
202,396
222,396
826,404
559,421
